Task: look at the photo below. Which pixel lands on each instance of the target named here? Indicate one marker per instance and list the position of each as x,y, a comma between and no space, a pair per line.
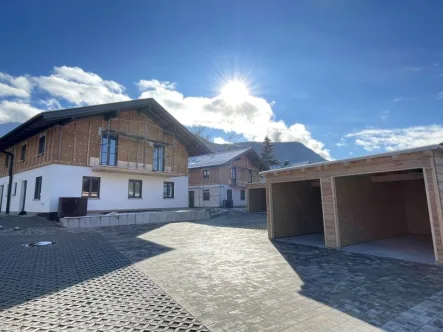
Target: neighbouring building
125,156
387,204
220,179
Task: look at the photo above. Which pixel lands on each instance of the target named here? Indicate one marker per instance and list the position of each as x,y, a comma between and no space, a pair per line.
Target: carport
385,214
386,204
298,207
256,196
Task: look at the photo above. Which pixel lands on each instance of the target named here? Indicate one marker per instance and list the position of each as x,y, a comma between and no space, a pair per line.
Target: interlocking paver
81,284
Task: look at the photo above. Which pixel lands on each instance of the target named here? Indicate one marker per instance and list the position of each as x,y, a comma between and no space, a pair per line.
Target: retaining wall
134,218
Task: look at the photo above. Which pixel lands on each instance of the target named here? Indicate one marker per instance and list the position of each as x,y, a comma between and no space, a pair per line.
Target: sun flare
235,92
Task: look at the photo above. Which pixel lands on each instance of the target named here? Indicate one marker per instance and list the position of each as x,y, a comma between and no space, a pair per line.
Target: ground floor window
38,187
91,187
168,190
206,195
242,195
14,190
135,189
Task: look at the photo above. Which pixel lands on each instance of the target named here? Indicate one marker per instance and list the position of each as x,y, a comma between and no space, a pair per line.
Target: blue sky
346,78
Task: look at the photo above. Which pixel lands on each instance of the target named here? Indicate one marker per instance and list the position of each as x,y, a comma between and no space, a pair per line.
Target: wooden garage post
270,211
432,196
330,220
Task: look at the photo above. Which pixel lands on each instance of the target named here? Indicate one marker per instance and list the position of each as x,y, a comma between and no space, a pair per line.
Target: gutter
11,164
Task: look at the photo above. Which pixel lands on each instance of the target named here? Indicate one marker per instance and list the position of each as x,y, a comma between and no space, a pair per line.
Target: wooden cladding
222,174
76,142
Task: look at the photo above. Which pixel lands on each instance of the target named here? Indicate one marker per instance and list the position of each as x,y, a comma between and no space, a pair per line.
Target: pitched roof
154,110
221,158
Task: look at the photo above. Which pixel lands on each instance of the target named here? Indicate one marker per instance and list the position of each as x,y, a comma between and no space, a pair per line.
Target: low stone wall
134,218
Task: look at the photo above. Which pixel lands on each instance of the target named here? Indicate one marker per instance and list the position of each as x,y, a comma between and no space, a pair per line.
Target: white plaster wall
66,181
218,194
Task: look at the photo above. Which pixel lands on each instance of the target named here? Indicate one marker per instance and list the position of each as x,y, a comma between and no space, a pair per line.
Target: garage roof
221,158
149,106
392,153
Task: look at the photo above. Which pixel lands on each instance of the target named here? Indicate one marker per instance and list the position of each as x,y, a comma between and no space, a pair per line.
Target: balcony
125,167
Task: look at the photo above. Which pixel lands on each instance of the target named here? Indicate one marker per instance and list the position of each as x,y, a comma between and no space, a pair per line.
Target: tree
200,132
285,164
267,153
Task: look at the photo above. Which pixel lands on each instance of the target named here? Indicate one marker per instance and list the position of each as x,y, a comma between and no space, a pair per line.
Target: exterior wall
66,181
218,193
78,141
297,206
222,174
416,206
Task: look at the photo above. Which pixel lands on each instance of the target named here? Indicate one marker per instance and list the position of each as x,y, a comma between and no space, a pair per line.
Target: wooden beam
397,177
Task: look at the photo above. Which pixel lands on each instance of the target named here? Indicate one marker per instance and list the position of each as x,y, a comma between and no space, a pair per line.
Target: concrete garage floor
415,248
315,240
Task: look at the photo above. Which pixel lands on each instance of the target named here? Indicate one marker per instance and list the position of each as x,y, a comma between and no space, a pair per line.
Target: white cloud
396,139
410,69
79,87
398,99
19,87
15,111
51,104
253,119
220,140
440,94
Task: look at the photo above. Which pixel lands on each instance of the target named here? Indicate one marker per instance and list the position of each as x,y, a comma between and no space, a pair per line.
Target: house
388,204
125,156
220,179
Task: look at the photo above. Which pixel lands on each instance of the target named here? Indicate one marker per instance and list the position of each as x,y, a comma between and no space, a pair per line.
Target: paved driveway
223,274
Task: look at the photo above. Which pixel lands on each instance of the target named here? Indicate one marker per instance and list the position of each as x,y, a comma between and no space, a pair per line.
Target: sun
235,92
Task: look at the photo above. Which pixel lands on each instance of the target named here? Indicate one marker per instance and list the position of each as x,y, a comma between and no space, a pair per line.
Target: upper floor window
23,153
7,156
233,175
41,145
158,158
250,175
109,150
206,174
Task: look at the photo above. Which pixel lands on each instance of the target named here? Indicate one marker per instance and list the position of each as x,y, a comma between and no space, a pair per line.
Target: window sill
94,198
37,199
21,161
168,198
135,197
40,154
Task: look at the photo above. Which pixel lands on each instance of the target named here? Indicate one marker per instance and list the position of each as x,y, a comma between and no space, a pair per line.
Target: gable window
233,175
168,190
41,145
7,160
158,158
135,189
242,195
38,187
14,189
23,153
109,150
206,174
249,175
91,187
206,194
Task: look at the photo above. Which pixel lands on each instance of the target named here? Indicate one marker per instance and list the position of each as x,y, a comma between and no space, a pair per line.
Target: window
168,190
41,145
135,189
158,158
14,189
249,175
91,187
206,195
242,195
206,174
109,151
38,187
7,160
23,153
233,175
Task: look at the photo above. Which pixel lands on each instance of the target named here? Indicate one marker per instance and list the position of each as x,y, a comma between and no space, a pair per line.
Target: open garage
298,207
388,204
256,194
385,214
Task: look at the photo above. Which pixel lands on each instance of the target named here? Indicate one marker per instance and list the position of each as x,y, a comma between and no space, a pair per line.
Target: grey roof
149,106
392,153
221,158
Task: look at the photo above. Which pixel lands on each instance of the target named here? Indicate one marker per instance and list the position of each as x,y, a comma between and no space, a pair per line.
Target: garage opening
385,214
297,212
257,200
